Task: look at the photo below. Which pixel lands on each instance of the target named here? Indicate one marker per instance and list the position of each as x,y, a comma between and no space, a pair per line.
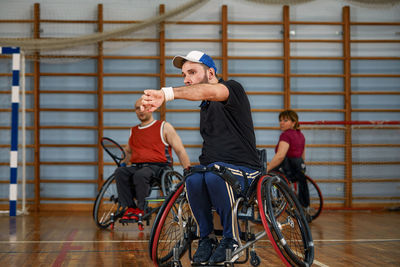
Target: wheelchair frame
107,210
280,213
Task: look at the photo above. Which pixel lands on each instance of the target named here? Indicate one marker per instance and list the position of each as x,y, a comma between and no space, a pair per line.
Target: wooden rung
278,75
376,75
68,145
68,74
67,199
315,41
375,180
67,181
254,58
315,23
67,21
375,23
317,93
191,40
376,93
131,74
9,92
317,75
132,40
71,127
316,58
67,92
376,162
375,58
254,40
375,41
374,110
265,93
68,109
186,22
122,92
94,163
132,57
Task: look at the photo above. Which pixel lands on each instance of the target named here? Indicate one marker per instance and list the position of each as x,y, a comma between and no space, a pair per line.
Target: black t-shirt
227,129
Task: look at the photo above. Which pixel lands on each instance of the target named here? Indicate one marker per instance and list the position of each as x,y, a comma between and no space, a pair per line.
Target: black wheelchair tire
176,197
104,220
298,251
318,205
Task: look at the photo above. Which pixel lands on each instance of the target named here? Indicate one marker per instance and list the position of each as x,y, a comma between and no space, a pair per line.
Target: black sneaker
220,253
206,247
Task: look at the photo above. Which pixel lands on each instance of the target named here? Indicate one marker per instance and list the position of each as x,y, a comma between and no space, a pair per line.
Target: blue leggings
206,190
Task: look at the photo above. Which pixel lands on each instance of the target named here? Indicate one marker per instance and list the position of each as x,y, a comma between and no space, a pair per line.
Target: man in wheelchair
148,151
227,130
290,154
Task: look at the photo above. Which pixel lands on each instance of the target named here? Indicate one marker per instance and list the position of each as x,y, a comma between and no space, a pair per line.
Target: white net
66,36
357,160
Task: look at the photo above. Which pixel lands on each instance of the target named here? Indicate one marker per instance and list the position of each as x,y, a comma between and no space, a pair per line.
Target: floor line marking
146,241
66,248
319,263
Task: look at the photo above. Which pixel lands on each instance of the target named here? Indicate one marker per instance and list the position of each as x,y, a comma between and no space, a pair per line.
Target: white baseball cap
194,56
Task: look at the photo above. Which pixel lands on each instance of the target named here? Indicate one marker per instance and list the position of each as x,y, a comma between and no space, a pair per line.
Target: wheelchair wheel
174,227
289,232
316,200
169,181
106,206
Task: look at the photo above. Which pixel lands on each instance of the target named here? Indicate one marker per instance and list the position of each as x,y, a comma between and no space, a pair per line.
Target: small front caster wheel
254,259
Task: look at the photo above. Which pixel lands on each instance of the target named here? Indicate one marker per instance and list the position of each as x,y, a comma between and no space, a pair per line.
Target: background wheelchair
286,172
107,210
268,202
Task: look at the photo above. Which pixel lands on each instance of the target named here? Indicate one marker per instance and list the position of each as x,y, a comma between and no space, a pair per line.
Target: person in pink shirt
290,155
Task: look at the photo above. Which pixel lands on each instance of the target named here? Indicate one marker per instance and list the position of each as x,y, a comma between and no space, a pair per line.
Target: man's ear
211,73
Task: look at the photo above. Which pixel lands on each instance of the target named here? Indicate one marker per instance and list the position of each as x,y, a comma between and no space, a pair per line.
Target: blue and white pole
15,52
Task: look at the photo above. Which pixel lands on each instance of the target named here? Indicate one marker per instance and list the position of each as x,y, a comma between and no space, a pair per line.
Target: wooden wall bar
344,202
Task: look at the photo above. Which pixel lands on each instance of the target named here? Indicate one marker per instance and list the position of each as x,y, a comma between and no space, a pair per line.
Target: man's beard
205,79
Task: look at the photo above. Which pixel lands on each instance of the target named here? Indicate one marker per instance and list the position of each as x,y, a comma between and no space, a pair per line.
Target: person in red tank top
290,155
148,152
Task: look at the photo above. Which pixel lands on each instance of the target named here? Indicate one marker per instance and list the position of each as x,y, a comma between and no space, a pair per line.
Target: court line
146,241
66,248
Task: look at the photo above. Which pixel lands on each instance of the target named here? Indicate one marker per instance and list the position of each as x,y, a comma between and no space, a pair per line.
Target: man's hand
152,100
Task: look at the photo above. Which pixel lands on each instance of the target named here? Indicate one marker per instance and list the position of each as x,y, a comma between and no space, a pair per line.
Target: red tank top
148,144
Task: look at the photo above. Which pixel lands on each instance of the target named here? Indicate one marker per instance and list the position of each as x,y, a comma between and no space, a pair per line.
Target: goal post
17,72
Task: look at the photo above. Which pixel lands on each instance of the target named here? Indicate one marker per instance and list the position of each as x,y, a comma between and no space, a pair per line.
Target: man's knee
194,182
214,181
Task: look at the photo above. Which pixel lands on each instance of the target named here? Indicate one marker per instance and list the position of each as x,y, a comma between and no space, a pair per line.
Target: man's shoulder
231,83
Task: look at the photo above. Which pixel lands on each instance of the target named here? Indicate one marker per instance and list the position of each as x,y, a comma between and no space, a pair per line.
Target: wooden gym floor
342,238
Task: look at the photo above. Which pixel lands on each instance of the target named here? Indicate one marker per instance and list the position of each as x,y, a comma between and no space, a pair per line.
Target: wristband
168,93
